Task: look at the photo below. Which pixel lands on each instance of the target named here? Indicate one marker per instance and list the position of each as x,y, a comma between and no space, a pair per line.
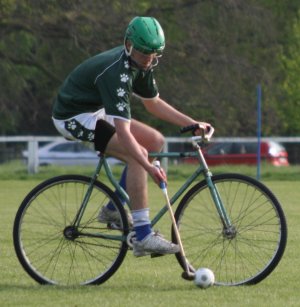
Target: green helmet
146,35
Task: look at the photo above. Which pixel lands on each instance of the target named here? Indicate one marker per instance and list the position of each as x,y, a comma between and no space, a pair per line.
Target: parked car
244,153
68,153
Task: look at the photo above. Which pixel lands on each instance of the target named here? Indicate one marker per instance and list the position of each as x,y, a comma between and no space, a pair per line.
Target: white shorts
86,120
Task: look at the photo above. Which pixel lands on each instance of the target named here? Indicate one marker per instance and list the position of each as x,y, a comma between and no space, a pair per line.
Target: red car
244,153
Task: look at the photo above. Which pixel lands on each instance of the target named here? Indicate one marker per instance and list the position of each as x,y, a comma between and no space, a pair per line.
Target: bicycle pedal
155,255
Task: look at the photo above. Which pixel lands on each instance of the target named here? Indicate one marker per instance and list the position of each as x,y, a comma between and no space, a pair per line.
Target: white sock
140,217
141,223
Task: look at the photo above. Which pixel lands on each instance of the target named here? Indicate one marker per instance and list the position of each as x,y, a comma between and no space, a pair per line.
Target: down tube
180,191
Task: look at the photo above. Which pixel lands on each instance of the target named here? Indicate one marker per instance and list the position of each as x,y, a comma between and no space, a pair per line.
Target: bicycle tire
52,253
254,248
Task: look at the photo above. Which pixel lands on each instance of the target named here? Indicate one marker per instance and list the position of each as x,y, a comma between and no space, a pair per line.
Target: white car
68,153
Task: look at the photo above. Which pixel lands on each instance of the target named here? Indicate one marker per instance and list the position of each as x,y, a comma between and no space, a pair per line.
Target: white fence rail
33,144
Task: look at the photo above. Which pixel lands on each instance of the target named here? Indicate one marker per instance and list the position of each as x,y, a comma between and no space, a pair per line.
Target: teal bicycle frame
201,169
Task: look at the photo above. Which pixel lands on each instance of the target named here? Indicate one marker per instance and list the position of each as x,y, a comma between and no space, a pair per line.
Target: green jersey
103,81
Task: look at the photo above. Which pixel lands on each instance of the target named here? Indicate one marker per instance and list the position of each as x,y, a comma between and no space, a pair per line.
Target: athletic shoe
108,216
154,243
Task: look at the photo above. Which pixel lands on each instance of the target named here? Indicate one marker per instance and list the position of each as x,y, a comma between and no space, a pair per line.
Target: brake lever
204,136
209,133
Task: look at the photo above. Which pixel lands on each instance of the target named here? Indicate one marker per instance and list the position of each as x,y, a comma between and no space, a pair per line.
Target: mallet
188,273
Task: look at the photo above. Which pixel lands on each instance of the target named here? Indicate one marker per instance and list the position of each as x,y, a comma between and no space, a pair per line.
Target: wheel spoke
251,248
54,251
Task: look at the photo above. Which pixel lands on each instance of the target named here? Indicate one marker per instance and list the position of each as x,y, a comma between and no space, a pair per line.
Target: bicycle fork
228,228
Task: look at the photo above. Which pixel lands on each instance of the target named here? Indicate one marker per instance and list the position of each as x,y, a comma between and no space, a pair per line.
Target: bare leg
137,186
146,241
150,140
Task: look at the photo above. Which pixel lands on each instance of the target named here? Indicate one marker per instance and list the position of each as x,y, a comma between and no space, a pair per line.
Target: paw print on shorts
120,92
124,78
121,106
126,64
80,134
91,136
72,125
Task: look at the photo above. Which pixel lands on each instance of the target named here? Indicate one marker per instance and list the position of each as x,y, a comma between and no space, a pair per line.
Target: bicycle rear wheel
52,250
253,246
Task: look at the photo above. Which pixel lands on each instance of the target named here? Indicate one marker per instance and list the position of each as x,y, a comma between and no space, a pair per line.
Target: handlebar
206,134
192,128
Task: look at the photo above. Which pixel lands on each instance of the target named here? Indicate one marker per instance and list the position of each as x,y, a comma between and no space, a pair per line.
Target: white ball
204,278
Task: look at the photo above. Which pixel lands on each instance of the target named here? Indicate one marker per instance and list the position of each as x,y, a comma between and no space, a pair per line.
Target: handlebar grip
189,128
205,133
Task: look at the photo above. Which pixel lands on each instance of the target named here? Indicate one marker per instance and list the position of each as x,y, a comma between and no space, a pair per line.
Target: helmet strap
154,62
128,52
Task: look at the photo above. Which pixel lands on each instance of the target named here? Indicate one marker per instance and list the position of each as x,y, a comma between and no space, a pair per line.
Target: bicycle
230,223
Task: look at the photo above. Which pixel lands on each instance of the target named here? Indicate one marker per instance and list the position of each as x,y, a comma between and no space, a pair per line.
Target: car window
219,149
65,147
80,147
232,148
251,148
238,148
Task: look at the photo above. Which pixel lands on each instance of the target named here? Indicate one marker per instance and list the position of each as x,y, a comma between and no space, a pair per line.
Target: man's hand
206,127
157,174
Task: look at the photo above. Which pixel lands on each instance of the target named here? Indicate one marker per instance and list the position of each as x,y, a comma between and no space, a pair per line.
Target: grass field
145,281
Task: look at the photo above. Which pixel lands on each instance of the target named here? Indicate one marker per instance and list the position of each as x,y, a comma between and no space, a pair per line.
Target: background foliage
217,52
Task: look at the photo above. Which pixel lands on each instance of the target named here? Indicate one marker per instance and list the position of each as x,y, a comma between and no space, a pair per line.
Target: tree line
217,52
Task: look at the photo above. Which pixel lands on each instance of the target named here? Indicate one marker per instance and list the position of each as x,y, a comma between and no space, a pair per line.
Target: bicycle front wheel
251,248
52,249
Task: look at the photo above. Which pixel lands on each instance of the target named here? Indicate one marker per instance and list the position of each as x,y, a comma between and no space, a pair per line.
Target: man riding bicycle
93,105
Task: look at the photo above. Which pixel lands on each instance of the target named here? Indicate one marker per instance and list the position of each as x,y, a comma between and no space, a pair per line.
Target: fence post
33,159
164,161
258,91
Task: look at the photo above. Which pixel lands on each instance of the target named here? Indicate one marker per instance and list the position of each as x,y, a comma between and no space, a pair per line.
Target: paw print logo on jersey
124,78
121,106
126,64
120,92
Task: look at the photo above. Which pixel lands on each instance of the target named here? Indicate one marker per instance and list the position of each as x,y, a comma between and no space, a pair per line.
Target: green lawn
145,281
18,170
